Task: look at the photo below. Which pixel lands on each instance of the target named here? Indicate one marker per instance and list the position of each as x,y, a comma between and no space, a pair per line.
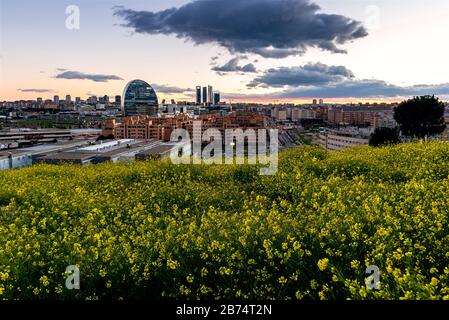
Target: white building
14,161
345,138
298,114
385,120
18,158
279,114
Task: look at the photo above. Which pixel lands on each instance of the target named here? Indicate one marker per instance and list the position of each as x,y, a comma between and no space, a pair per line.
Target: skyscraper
118,101
217,98
93,100
139,99
205,95
56,99
210,95
68,99
198,95
78,101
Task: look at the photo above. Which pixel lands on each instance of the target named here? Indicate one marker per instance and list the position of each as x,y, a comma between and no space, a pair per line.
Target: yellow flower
282,280
296,245
172,264
355,264
4,276
190,278
102,273
434,282
299,295
323,263
44,281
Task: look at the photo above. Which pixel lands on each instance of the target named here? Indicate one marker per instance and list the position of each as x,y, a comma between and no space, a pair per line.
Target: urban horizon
266,101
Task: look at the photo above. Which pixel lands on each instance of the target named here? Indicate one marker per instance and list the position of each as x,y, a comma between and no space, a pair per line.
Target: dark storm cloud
321,80
170,89
86,76
233,66
36,90
270,28
363,89
307,75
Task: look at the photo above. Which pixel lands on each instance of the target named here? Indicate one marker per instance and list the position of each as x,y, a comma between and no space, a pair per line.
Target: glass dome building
139,99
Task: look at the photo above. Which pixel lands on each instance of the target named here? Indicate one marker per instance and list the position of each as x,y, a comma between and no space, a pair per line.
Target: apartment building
345,138
145,127
358,115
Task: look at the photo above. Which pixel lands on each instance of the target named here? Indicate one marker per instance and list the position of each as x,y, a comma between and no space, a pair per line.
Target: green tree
383,136
420,117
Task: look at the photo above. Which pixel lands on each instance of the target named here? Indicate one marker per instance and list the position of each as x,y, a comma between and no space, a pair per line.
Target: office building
216,98
210,95
118,101
204,95
139,99
68,99
198,95
56,99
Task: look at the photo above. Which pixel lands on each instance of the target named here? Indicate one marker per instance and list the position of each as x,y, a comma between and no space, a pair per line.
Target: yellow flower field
156,230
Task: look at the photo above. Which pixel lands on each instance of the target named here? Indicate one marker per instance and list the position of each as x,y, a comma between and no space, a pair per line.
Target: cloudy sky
251,50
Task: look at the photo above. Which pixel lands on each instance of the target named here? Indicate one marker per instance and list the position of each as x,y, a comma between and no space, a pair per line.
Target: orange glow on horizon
309,100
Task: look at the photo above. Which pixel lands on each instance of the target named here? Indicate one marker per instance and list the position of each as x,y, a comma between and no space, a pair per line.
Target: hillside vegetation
153,229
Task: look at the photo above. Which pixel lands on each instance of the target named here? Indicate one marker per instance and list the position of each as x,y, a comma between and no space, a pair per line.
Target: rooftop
161,149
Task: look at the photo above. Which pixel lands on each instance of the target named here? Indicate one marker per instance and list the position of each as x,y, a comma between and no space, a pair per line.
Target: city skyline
387,56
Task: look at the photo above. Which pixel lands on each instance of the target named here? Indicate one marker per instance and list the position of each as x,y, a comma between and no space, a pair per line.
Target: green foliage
420,117
383,136
153,229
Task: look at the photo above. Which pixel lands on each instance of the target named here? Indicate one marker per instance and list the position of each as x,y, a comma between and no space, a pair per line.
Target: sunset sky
249,50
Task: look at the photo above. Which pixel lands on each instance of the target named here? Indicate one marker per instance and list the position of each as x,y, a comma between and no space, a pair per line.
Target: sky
248,50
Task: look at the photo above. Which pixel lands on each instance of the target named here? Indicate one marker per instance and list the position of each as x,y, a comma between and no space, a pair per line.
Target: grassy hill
153,229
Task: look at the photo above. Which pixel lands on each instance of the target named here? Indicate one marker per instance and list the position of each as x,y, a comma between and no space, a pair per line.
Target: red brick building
145,127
